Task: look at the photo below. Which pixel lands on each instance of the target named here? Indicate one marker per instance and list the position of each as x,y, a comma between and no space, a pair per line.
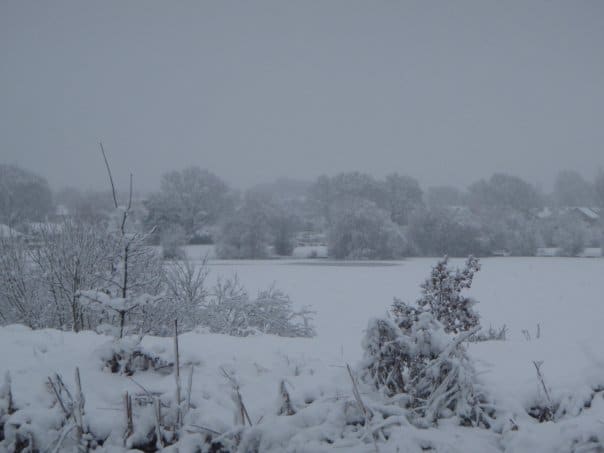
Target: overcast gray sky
446,91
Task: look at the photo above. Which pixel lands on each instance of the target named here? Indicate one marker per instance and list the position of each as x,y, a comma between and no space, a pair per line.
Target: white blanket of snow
563,295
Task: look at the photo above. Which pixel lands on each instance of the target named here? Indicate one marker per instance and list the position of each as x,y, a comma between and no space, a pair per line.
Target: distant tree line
356,215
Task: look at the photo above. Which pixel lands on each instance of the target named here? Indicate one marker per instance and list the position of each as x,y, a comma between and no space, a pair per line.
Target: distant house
553,218
588,214
10,234
38,228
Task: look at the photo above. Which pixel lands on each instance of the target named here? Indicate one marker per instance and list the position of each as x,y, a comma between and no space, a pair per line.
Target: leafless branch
110,175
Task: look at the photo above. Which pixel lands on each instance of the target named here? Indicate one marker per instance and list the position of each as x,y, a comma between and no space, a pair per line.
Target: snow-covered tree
435,232
442,295
503,192
403,197
245,234
134,280
24,196
570,235
361,230
444,196
192,198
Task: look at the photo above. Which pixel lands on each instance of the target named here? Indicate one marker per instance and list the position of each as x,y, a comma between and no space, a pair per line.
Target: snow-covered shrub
72,256
231,311
185,292
442,295
415,358
447,385
361,230
21,293
426,367
386,356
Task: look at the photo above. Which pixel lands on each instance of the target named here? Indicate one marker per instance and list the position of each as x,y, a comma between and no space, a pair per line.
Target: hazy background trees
192,198
245,233
361,230
438,232
24,196
502,214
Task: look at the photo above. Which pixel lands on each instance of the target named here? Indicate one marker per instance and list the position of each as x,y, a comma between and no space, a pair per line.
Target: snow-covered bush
446,384
415,358
425,368
185,293
442,295
231,311
386,357
21,292
73,256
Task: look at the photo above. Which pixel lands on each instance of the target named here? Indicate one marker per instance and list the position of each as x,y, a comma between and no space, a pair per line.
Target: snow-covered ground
562,298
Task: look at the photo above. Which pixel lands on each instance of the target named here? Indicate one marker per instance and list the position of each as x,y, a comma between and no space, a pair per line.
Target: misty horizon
447,94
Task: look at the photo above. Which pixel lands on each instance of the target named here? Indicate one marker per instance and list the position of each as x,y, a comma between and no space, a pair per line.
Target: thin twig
189,390
204,428
157,410
129,421
177,374
365,411
110,175
58,397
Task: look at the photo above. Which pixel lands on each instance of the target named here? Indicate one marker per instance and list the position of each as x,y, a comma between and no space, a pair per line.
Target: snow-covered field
562,298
